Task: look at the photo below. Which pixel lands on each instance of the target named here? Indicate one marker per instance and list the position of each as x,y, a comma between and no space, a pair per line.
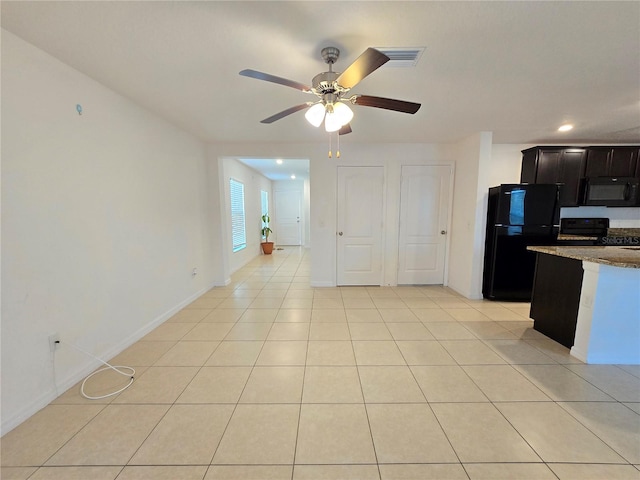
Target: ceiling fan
332,89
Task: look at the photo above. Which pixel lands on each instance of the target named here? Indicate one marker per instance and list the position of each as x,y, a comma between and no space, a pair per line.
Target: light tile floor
268,378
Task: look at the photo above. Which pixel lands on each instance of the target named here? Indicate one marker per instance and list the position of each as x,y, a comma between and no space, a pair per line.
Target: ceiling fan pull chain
329,145
338,151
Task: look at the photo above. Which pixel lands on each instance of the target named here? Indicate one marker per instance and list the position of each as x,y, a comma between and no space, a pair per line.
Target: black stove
582,231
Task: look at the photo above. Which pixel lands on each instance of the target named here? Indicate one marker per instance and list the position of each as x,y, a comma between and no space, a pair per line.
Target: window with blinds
264,202
238,233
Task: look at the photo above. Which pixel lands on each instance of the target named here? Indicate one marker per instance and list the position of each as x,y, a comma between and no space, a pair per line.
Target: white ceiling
518,69
279,168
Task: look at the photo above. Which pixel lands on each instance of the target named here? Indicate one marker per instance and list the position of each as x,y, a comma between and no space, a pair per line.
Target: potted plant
267,246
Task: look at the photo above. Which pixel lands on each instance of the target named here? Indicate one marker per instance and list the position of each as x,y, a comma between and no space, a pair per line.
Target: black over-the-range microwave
612,191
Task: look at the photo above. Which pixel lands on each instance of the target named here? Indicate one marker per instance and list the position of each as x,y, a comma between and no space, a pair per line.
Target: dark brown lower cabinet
556,297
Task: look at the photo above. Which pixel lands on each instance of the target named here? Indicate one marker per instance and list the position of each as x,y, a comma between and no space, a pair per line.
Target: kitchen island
588,299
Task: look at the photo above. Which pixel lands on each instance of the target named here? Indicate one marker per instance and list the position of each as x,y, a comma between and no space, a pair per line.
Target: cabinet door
572,168
529,165
623,161
612,162
556,297
548,169
598,162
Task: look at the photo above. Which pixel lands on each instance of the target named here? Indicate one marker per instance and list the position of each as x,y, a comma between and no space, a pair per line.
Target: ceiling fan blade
286,112
387,103
345,129
272,78
365,64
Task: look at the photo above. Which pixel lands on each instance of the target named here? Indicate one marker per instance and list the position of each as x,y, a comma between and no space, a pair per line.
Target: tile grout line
364,400
304,376
237,403
431,409
176,399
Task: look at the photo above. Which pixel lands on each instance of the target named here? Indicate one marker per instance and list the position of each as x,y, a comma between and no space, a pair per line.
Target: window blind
264,200
238,233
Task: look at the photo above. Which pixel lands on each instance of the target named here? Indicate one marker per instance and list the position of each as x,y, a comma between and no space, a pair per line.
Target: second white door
424,207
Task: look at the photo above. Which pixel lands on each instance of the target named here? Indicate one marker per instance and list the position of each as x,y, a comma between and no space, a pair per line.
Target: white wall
307,213
104,216
506,162
473,160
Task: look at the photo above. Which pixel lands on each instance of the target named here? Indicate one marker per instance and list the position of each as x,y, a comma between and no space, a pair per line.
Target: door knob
340,233
443,232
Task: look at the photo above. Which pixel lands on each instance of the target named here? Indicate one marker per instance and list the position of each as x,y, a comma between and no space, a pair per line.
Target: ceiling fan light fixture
315,114
332,122
344,113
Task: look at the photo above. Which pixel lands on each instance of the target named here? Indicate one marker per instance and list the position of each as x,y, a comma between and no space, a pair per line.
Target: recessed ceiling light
293,177
279,161
565,128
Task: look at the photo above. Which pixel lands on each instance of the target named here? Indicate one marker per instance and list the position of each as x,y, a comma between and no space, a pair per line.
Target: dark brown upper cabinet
565,165
570,165
612,162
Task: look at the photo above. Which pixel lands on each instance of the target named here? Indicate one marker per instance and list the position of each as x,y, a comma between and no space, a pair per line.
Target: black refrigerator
518,216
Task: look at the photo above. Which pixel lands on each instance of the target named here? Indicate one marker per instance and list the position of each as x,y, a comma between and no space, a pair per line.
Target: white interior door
424,208
359,222
287,208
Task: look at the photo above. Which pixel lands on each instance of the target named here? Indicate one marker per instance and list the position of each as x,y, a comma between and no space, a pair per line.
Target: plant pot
267,247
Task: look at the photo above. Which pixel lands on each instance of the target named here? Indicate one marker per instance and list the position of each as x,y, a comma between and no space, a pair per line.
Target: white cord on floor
108,367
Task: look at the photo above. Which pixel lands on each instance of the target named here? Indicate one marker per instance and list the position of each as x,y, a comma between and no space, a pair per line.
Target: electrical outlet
54,342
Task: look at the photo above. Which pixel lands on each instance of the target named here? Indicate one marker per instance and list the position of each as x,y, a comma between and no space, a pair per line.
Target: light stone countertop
626,257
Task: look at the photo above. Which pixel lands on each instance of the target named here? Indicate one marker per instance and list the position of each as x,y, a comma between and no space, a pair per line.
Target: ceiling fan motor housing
325,83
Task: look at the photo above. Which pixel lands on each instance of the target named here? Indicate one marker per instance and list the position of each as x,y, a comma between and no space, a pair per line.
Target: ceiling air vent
402,57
